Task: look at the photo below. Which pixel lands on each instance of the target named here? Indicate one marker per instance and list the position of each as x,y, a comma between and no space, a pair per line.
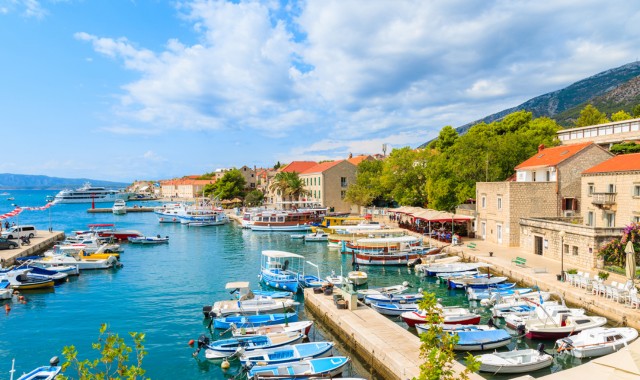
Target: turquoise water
161,290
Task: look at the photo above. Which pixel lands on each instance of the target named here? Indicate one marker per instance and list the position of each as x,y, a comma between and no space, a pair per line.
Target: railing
603,199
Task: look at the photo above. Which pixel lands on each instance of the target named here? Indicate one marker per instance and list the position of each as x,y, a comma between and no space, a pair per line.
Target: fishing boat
451,314
308,280
237,345
519,361
244,321
149,240
474,337
393,289
48,372
301,326
319,368
393,298
119,207
247,303
276,271
598,341
478,281
433,270
555,328
20,280
357,277
288,353
394,309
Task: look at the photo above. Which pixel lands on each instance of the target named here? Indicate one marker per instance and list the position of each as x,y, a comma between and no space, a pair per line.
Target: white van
16,232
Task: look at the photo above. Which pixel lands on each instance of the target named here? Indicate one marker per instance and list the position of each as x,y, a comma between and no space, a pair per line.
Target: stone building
273,197
546,185
327,183
604,135
184,187
249,177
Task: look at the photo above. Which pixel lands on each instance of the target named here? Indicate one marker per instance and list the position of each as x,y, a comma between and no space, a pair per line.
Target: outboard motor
203,341
206,310
490,323
54,361
521,330
540,348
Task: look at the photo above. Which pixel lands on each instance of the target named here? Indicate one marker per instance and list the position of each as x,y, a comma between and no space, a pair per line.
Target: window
343,194
484,202
533,176
569,204
319,196
565,249
319,181
636,190
636,219
343,181
610,219
590,218
592,189
612,188
548,176
499,203
574,250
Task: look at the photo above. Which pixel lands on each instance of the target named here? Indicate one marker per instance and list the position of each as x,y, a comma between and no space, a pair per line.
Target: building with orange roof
297,166
184,187
358,159
547,185
327,183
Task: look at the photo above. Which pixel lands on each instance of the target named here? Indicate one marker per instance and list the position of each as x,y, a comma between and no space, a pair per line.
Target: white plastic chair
585,282
615,294
630,293
634,301
599,289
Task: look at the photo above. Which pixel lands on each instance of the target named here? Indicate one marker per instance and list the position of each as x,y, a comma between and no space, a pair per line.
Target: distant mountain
609,91
23,181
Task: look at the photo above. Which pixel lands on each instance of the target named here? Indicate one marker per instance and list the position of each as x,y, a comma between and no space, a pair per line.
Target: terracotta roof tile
298,166
552,156
358,159
319,168
621,163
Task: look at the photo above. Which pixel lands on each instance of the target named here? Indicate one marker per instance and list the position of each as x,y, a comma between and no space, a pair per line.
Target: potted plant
603,275
572,271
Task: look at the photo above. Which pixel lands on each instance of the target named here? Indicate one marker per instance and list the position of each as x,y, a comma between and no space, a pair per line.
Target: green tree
254,198
404,176
590,116
636,110
437,347
231,185
367,189
289,185
446,138
277,165
113,362
620,116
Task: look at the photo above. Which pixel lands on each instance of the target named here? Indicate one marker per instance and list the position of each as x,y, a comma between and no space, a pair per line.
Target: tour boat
149,239
399,257
276,271
598,341
119,207
357,277
452,315
301,326
394,309
89,194
288,221
518,361
474,337
313,368
241,321
169,212
194,216
288,353
227,347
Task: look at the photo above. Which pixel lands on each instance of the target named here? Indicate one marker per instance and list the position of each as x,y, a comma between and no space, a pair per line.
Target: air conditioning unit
569,213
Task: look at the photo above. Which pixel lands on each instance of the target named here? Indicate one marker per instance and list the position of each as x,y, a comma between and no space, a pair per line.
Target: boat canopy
237,285
396,239
280,254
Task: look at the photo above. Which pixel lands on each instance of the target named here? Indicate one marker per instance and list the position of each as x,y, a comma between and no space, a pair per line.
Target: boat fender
7,308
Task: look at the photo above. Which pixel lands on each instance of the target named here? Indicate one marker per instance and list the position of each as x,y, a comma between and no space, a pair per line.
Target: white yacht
170,212
89,194
119,207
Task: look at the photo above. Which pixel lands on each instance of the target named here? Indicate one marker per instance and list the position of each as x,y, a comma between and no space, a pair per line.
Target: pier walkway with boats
39,244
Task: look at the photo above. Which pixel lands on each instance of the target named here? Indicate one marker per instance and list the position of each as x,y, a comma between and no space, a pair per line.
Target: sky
127,90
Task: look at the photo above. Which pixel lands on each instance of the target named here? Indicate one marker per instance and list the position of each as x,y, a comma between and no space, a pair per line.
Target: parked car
17,232
7,244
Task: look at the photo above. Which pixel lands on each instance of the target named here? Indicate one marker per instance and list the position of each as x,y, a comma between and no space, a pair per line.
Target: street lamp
562,234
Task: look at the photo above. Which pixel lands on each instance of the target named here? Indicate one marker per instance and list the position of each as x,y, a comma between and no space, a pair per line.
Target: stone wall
627,205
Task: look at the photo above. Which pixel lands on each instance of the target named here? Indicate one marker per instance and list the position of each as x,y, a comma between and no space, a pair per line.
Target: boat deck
39,244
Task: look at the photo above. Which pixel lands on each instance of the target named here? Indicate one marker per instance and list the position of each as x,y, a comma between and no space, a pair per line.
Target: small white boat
519,361
335,279
317,236
597,342
247,303
119,207
297,236
357,277
452,315
149,239
302,327
394,309
393,289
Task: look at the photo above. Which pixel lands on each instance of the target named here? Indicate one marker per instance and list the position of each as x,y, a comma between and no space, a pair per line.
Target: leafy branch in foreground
113,361
437,347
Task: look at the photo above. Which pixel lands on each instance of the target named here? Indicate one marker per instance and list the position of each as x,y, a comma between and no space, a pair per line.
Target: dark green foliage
590,115
626,147
231,185
254,198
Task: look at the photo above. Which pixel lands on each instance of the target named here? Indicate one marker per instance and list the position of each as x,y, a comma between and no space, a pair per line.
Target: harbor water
161,289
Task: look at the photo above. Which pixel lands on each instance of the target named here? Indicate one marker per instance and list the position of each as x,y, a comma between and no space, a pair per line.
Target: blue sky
149,89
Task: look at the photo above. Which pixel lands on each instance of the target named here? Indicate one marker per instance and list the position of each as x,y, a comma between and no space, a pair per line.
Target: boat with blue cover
276,270
475,294
393,309
322,367
238,345
241,321
474,337
393,298
309,280
288,354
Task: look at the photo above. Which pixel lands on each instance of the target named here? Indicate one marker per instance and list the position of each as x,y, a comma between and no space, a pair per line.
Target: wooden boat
520,361
597,342
357,277
393,298
474,337
241,321
288,353
149,240
322,368
247,303
20,280
291,221
276,272
394,309
400,257
235,346
48,372
300,326
380,245
452,315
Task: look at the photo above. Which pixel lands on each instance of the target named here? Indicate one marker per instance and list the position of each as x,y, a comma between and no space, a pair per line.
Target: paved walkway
40,243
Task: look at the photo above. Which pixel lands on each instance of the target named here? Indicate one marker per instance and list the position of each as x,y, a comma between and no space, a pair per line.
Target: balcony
603,200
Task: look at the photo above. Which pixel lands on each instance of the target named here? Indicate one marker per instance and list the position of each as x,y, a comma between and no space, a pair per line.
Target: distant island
10,181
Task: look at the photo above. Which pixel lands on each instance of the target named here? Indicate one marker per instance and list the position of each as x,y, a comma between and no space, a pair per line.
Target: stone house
249,177
272,197
327,183
184,187
545,185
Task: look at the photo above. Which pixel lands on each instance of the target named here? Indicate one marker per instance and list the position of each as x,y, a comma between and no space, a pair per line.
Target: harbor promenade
39,244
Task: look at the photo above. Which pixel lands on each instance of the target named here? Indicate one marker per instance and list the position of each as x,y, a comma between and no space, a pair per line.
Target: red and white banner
18,210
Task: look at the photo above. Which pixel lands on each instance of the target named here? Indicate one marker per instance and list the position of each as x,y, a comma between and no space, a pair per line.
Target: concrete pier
385,348
39,244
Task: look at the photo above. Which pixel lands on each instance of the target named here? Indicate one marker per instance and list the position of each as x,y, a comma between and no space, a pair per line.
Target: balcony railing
603,199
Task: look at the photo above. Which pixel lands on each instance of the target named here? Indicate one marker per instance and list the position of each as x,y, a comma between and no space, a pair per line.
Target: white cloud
152,156
26,8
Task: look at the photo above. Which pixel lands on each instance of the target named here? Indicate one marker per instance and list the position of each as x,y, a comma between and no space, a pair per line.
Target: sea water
161,289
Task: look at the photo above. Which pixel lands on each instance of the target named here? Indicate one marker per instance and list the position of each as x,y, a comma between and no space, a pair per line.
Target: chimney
540,148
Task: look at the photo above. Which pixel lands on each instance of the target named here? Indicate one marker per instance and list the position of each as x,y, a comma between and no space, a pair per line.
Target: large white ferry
89,194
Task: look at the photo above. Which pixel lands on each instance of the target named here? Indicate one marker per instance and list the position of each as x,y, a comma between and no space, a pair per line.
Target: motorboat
82,263
518,361
478,281
308,280
546,311
37,273
247,303
393,289
244,321
433,270
474,337
316,236
475,294
496,298
20,280
48,372
5,290
119,207
89,194
109,230
300,326
276,270
227,347
288,353
170,212
319,368
357,277
393,298
561,326
451,315
149,240
394,309
598,341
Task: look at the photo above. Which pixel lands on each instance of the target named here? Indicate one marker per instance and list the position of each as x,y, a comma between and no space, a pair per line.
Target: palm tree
289,185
